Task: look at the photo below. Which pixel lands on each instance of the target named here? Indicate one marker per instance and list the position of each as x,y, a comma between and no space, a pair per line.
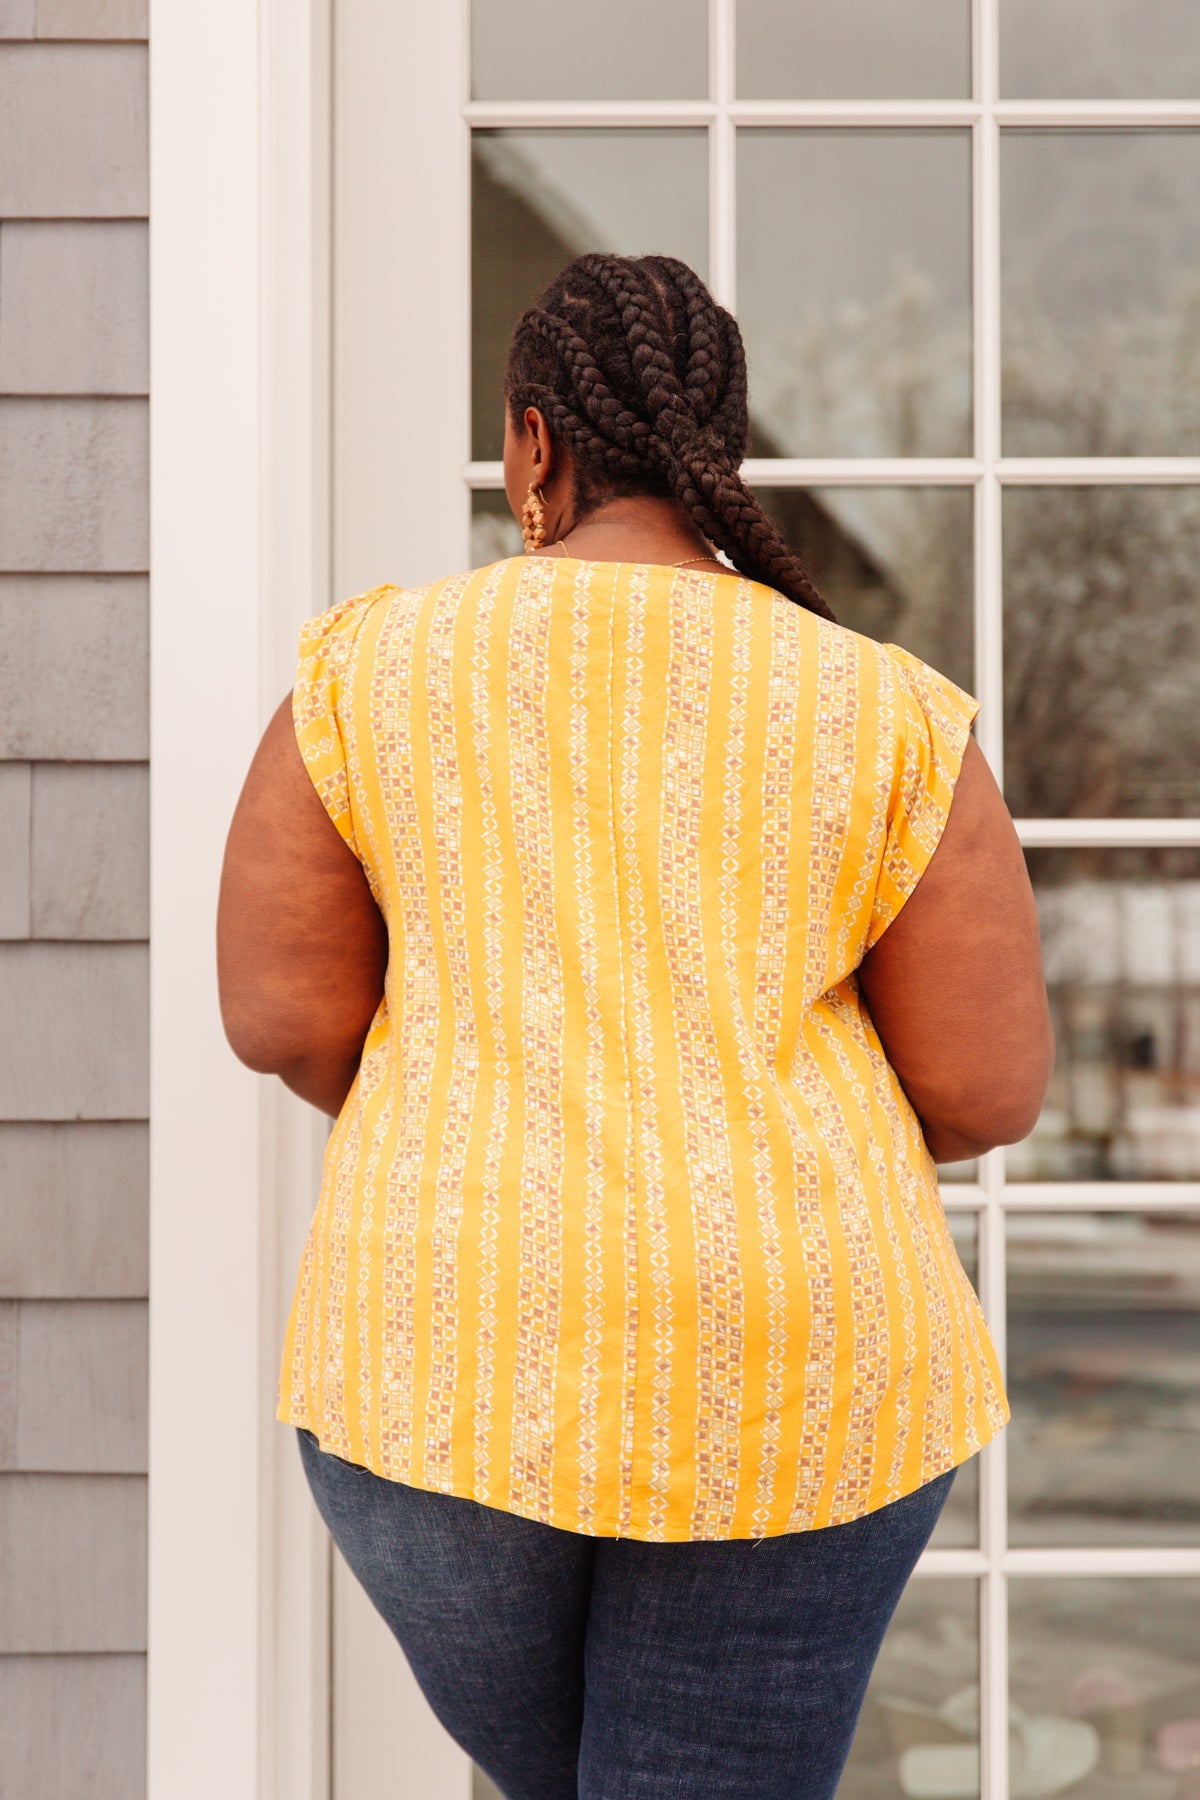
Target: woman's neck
633,528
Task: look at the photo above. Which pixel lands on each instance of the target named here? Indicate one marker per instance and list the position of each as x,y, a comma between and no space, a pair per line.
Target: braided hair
637,369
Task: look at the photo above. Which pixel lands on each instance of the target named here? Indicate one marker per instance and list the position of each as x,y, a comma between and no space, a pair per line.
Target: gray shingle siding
74,739
74,667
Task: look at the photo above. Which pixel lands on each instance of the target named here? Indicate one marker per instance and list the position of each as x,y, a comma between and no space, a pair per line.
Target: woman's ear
519,450
541,446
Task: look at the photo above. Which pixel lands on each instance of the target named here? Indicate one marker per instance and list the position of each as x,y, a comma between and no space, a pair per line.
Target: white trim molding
238,1559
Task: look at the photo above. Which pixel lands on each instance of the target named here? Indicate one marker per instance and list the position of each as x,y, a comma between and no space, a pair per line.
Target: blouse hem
878,1496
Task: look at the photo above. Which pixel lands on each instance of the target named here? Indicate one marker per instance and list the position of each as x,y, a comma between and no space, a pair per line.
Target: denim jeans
603,1668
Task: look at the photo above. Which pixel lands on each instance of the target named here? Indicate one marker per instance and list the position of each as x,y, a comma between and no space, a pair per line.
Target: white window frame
986,472
309,438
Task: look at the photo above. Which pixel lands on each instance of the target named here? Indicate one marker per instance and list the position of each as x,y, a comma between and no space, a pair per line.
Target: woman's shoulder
839,645
350,610
356,606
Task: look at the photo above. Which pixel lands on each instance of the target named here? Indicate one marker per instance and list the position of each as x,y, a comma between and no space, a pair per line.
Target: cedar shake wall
74,735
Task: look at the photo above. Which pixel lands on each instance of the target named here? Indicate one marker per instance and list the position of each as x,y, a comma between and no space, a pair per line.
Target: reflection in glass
1120,933
1100,292
859,49
1101,651
918,1732
536,50
1105,1685
958,1171
1098,49
538,198
494,531
854,290
1103,1373
894,563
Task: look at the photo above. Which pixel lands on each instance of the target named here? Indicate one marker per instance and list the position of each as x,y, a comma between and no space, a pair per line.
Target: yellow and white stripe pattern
627,1224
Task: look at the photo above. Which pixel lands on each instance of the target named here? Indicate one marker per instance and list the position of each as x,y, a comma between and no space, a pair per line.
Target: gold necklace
701,556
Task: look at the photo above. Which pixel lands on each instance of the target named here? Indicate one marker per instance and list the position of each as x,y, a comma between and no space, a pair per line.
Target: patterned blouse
627,1224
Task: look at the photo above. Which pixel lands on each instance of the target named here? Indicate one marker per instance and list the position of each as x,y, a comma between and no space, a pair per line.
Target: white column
238,1558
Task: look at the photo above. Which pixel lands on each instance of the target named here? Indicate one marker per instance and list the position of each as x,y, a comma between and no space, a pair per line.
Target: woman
612,900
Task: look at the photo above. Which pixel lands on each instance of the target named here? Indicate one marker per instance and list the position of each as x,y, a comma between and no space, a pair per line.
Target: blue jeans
581,1668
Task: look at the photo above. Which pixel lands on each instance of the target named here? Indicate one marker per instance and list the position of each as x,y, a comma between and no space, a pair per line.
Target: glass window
541,197
854,290
1101,651
1105,1684
918,1732
1103,1364
859,49
895,563
536,50
1099,49
494,532
1120,933
1100,290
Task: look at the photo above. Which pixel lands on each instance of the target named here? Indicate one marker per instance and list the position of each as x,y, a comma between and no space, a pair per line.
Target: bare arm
301,944
955,984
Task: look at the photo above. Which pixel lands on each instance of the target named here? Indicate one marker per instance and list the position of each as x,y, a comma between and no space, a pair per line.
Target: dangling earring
533,518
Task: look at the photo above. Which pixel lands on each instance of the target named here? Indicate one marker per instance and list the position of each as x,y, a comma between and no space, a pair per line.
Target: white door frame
238,1561
243,548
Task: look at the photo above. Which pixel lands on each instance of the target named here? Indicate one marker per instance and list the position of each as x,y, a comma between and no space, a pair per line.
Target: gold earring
533,518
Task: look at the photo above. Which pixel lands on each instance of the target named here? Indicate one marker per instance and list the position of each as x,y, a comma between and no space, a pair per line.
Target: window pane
894,563
1099,49
494,532
854,290
918,1732
1100,288
1101,652
1105,1682
1120,934
958,1171
1103,1366
537,50
541,197
859,49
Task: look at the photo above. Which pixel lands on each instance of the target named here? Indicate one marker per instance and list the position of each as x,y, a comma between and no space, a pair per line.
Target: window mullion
1107,834
1103,1196
989,690
723,157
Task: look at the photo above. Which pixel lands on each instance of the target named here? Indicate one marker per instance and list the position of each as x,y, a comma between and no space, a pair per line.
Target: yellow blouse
626,1223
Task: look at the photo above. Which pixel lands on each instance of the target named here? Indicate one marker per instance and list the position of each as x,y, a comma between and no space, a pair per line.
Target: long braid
643,375
688,456
715,379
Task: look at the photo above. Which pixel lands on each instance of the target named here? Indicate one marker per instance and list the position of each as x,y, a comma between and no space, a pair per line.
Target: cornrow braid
614,427
708,357
643,376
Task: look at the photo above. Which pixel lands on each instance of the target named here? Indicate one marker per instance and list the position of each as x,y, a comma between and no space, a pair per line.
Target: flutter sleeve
933,724
326,651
